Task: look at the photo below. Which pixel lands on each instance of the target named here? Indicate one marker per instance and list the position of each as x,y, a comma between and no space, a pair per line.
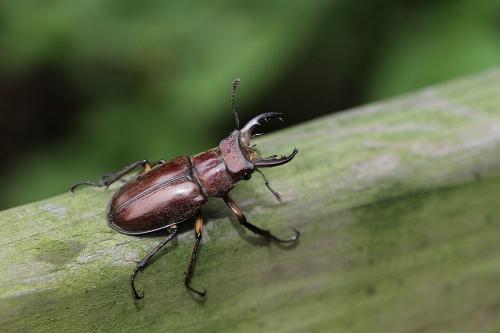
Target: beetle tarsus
267,234
110,178
198,227
256,230
197,292
144,262
88,182
292,239
132,283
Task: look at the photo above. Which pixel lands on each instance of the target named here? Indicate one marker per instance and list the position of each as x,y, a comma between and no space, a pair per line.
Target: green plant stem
397,203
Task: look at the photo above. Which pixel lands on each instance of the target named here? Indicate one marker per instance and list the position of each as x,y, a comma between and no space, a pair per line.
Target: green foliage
447,40
153,77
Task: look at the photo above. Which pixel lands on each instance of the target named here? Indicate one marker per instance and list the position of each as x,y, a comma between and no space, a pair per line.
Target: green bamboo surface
397,203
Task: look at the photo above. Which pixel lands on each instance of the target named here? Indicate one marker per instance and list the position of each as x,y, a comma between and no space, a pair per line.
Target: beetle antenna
236,84
276,194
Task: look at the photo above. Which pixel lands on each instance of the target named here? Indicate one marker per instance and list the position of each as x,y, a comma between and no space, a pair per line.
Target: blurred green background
87,87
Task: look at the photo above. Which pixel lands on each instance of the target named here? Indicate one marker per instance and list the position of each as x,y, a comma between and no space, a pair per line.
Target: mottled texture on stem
397,204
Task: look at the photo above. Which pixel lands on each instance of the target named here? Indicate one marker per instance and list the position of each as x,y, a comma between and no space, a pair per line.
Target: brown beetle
165,194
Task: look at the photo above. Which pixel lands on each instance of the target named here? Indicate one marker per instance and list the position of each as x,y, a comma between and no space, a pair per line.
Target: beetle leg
143,263
109,179
198,227
261,232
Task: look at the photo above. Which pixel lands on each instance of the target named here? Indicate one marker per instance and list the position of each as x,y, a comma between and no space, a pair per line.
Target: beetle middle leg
109,179
144,262
261,232
198,227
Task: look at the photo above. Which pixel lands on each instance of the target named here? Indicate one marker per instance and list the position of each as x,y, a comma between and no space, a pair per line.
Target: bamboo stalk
397,203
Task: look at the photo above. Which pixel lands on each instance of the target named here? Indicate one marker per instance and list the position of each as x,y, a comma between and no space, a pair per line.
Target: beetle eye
247,175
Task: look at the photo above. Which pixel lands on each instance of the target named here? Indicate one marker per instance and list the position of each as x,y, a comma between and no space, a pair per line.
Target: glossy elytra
167,193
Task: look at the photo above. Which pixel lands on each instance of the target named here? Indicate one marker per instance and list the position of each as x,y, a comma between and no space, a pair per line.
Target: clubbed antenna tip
236,84
266,182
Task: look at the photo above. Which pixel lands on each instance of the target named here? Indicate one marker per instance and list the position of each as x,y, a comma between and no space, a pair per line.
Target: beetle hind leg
256,230
198,227
144,262
110,178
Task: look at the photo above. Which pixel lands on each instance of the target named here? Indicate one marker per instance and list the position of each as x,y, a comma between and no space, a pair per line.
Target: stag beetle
166,193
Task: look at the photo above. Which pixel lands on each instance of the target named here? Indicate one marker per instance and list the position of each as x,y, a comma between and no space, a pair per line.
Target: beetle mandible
166,193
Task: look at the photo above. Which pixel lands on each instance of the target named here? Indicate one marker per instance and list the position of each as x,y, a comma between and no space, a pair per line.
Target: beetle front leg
144,262
109,179
261,232
198,227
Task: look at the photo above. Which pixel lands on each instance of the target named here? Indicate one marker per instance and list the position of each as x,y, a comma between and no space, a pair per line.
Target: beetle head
241,158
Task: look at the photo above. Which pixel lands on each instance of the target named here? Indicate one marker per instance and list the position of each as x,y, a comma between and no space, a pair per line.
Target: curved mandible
247,130
272,162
